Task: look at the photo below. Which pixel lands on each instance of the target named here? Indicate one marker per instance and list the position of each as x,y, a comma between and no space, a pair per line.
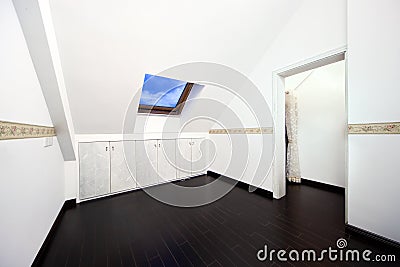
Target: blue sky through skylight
161,91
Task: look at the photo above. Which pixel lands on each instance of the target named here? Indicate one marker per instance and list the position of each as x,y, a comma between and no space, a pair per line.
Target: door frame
278,112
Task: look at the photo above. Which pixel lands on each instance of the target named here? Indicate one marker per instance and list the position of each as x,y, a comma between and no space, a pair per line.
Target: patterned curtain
292,161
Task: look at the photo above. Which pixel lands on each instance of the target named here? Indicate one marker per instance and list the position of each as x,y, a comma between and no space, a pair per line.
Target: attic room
199,133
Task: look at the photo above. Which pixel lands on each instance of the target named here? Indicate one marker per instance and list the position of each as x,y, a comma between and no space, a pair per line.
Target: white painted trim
346,156
317,61
98,137
77,177
137,136
278,112
319,181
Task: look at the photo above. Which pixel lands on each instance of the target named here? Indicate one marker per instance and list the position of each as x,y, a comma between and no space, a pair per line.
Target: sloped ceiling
106,47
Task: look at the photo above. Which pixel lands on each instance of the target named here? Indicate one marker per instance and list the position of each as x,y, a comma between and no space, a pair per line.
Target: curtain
292,161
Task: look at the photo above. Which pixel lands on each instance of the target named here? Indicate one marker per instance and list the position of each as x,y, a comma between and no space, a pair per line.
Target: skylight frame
177,110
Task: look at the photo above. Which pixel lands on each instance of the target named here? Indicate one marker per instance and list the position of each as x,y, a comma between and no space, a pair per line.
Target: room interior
154,133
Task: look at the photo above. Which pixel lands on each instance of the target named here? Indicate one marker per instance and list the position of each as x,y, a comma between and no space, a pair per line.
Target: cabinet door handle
112,148
159,145
106,148
155,145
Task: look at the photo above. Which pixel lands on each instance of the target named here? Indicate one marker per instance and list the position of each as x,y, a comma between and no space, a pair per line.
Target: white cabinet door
166,160
94,169
223,163
199,157
184,157
123,171
146,163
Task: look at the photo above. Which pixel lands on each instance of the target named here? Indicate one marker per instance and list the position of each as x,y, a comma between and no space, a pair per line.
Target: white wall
373,94
314,28
32,177
154,123
322,122
117,42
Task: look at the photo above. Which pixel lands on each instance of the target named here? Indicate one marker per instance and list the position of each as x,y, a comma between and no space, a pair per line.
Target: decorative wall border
262,130
14,130
375,128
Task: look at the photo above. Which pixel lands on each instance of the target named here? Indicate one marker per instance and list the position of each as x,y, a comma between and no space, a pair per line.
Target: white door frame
278,111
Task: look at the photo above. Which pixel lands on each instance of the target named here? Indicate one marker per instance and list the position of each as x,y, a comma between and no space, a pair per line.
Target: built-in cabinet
94,171
184,158
146,162
199,156
155,161
166,160
123,172
189,157
110,167
103,169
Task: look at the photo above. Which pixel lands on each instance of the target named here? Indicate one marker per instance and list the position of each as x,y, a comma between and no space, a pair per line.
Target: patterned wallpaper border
262,130
14,130
360,128
375,128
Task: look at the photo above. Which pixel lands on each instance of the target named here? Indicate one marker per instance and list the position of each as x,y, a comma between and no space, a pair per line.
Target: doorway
278,110
316,123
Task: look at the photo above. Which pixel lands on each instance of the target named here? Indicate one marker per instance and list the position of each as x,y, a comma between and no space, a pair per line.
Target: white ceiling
106,47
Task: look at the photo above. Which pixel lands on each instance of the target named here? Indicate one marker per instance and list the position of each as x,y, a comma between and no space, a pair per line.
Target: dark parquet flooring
133,229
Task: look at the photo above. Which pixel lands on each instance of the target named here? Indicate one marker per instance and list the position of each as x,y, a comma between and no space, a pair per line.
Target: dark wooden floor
133,229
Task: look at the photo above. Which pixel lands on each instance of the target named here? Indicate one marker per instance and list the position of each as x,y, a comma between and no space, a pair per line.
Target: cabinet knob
155,145
106,148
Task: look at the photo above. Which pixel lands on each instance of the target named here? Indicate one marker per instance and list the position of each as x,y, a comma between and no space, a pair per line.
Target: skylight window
163,95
